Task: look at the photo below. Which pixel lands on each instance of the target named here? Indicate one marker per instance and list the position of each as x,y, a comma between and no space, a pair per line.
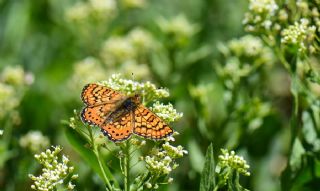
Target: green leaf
296,155
196,157
78,143
309,131
207,182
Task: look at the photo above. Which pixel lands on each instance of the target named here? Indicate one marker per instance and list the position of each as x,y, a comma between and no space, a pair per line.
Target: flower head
300,35
147,90
231,161
56,171
34,140
260,15
102,10
162,161
83,71
13,75
141,40
178,28
117,50
166,112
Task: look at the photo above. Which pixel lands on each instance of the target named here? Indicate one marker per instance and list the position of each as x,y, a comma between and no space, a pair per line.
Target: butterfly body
120,116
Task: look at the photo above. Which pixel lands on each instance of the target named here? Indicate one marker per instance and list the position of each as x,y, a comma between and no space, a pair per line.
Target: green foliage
247,81
208,173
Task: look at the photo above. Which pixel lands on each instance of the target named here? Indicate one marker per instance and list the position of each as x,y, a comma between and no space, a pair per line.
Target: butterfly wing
149,125
97,115
94,94
101,102
119,129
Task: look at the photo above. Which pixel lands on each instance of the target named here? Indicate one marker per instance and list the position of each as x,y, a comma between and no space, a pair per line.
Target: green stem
127,166
97,153
295,107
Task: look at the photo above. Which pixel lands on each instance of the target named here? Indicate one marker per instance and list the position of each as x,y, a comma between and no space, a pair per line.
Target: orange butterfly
119,116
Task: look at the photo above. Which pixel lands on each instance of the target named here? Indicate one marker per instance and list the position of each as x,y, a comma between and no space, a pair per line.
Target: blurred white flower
260,15
117,50
13,75
133,3
83,73
77,13
141,40
34,141
179,27
8,99
104,8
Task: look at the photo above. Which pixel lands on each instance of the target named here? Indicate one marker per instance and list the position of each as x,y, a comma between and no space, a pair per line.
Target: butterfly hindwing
97,115
119,129
149,125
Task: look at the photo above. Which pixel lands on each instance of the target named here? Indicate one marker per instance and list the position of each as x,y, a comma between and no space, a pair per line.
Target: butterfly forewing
94,94
149,125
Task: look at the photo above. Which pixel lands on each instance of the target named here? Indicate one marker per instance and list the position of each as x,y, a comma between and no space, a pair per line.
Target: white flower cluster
166,112
162,161
34,141
243,56
100,9
147,90
13,75
250,46
82,73
117,50
179,27
124,49
8,99
260,14
301,35
13,80
233,162
54,173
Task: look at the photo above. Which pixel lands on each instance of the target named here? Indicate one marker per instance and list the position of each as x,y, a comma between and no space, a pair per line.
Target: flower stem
97,153
295,106
127,166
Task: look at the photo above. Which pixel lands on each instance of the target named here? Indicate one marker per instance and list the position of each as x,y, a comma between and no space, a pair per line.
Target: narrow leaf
207,182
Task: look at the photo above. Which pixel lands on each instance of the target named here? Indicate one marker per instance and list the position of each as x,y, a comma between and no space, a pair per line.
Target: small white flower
53,172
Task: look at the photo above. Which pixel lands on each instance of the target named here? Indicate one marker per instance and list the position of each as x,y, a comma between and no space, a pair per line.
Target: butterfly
119,116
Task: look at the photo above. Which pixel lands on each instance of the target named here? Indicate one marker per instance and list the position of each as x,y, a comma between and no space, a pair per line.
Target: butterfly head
136,99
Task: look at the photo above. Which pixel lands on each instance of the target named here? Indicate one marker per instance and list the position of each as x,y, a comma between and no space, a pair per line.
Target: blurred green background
49,49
